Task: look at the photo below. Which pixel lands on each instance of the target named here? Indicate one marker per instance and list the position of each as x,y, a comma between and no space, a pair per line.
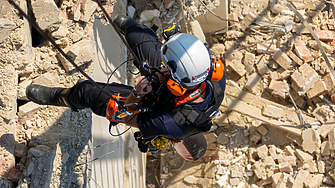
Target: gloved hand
141,143
168,32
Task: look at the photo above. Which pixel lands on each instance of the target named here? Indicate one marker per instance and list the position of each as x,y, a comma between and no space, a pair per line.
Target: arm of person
142,87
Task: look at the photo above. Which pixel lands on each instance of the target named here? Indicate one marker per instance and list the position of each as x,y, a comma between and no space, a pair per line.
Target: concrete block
46,13
272,111
300,179
304,78
249,62
303,52
268,162
277,88
311,141
325,35
292,160
27,111
314,182
61,32
280,179
299,28
6,27
81,53
321,113
295,58
252,83
47,79
282,59
319,88
262,151
303,156
255,137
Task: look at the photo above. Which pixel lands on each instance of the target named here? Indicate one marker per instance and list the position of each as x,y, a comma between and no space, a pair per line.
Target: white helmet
187,58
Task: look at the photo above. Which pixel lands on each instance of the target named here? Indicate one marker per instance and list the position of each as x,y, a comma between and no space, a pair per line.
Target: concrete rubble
258,140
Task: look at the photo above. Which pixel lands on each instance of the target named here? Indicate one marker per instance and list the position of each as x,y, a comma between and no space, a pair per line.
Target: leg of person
145,44
82,95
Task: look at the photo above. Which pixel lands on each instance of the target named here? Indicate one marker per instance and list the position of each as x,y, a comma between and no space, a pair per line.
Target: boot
123,22
49,96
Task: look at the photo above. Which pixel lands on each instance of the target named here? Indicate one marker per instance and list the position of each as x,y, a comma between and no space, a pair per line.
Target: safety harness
192,120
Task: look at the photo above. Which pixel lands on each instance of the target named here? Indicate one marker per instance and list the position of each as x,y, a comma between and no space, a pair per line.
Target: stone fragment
321,113
295,58
223,138
259,170
27,111
6,27
314,182
233,61
61,32
218,49
311,141
329,81
20,150
279,179
328,49
249,19
262,67
89,8
299,28
312,167
47,79
303,156
255,136
262,151
292,160
272,111
191,179
81,53
234,181
252,83
285,167
277,88
249,62
319,88
196,30
282,59
331,139
321,167
298,5
272,152
304,78
21,90
14,174
268,162
262,47
325,150
46,13
210,137
300,179
261,129
302,51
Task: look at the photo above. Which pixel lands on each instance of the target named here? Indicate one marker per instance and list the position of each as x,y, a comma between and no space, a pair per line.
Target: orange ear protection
216,70
175,88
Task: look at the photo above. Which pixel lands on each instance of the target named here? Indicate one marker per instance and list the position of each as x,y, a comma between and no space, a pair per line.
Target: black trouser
145,45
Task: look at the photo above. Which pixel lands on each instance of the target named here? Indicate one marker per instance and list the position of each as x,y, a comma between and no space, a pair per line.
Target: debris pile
277,123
